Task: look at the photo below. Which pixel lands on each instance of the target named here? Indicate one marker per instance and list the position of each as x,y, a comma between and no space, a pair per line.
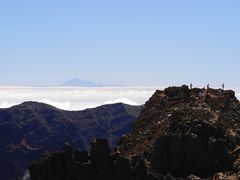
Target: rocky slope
182,133
29,129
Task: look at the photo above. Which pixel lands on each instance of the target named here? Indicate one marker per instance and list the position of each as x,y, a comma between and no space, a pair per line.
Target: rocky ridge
181,133
31,128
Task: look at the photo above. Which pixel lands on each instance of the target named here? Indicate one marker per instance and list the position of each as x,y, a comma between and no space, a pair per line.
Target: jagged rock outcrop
181,133
71,165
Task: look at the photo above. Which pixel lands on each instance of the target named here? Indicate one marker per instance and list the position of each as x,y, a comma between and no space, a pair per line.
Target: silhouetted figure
222,86
191,86
207,91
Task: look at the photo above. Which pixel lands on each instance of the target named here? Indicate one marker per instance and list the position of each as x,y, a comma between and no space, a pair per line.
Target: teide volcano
181,133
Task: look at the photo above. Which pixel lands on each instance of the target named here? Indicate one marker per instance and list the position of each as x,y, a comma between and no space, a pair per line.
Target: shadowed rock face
99,164
182,155
31,128
181,134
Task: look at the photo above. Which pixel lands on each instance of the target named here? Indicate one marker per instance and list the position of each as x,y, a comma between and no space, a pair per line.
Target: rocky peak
180,110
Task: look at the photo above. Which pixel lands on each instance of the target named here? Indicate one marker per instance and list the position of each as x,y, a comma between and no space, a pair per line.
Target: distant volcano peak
82,83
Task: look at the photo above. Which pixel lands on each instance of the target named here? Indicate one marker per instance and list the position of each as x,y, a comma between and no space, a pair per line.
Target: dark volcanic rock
98,164
100,158
182,155
181,134
31,128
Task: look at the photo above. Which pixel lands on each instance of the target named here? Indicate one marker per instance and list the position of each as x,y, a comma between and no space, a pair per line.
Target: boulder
178,93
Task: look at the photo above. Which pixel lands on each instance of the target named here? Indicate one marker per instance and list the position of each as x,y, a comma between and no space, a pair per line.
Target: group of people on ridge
202,95
208,86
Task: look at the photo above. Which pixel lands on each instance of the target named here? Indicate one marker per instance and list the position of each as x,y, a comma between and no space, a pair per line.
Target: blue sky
129,42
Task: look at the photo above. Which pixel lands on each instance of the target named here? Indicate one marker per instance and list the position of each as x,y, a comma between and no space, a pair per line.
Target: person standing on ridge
190,85
222,86
207,86
207,91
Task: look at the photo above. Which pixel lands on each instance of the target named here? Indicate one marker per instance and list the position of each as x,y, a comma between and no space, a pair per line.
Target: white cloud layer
73,98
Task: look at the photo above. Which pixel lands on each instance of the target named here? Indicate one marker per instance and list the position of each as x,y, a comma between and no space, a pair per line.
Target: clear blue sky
130,42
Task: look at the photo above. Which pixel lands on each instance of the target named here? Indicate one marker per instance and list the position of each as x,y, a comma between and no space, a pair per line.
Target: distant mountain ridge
82,83
31,128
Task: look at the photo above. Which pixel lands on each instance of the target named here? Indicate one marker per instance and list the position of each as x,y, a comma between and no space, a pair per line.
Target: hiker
207,86
207,91
190,85
222,86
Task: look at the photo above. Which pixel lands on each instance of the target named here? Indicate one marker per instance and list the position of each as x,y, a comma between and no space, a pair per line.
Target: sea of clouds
75,98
